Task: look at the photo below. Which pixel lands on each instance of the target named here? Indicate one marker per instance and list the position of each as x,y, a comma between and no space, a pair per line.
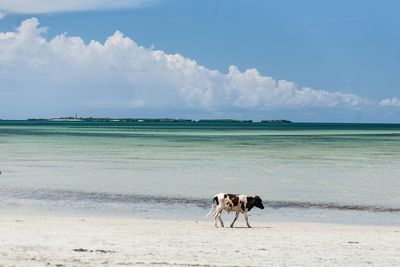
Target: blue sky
346,52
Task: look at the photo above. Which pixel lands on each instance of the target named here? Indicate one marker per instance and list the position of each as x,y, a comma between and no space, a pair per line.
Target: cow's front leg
247,219
234,220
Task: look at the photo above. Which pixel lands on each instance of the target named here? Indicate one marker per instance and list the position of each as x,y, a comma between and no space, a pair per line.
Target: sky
309,60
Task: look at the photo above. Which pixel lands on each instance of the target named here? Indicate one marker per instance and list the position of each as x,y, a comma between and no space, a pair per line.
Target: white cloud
50,6
40,76
390,102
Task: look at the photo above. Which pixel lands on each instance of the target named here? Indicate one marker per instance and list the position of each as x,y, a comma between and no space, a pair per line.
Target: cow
232,202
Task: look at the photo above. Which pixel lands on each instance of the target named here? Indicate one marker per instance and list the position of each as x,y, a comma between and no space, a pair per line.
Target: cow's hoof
231,226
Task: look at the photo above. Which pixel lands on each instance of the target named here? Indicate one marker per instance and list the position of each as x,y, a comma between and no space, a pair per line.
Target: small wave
322,205
103,197
98,197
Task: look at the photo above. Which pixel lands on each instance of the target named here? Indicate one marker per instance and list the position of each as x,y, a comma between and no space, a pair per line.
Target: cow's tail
212,207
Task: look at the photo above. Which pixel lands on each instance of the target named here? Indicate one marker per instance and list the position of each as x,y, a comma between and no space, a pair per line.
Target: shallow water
324,164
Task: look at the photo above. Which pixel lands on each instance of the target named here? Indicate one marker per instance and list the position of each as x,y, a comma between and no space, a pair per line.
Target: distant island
92,119
223,120
114,119
276,121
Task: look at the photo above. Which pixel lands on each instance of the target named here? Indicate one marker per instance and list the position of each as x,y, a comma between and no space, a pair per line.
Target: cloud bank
390,102
41,77
50,6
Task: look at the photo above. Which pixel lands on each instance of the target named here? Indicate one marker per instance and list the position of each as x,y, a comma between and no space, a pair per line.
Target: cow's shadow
253,227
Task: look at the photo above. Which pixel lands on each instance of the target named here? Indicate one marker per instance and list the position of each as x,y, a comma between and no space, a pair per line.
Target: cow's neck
250,203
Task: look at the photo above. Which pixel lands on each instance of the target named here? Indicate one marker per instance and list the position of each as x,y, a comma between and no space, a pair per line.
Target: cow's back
232,202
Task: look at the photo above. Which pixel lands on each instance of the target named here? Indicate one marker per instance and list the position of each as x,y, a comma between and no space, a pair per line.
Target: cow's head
258,202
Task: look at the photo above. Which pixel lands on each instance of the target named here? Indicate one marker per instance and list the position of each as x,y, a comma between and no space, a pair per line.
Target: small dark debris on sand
353,242
104,251
80,250
97,250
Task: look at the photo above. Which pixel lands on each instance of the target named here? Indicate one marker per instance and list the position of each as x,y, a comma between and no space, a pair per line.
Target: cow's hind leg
217,215
220,219
234,220
247,219
215,218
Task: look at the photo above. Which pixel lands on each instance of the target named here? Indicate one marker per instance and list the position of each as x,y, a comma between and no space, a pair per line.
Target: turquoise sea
301,170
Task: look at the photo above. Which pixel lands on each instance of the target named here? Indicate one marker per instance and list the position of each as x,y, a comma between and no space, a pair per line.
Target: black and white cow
238,203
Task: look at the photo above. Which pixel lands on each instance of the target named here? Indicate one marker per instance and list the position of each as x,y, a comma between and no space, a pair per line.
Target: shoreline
27,240
76,203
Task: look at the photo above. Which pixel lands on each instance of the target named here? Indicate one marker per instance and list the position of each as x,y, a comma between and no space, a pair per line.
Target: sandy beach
94,241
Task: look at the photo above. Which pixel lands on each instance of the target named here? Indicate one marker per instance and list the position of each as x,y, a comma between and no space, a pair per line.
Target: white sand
40,241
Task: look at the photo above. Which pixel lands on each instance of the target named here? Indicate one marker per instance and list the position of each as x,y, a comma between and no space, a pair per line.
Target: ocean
303,171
